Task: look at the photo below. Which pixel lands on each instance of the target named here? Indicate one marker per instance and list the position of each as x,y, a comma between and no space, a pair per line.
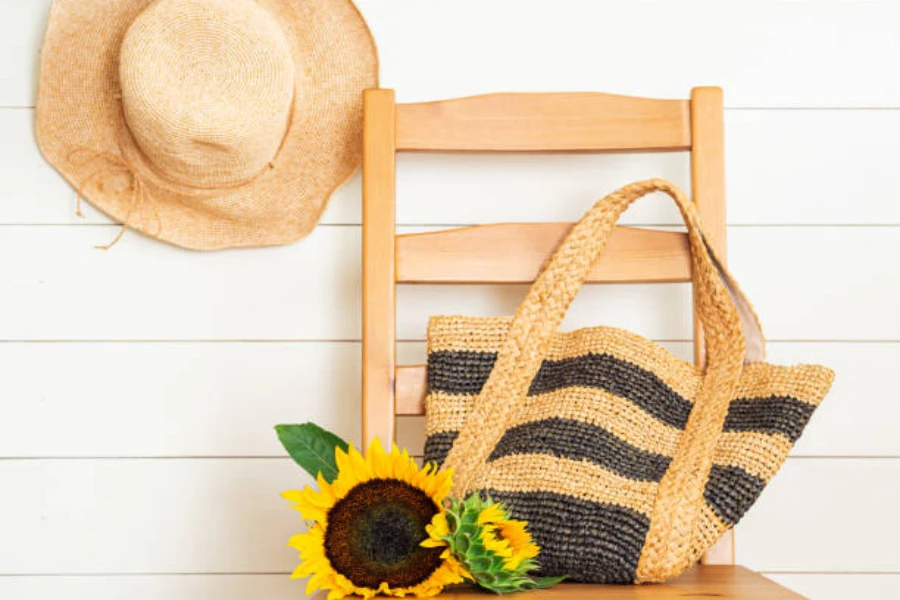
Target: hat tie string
114,164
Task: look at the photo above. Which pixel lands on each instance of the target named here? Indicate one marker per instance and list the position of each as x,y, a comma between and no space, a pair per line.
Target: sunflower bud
496,551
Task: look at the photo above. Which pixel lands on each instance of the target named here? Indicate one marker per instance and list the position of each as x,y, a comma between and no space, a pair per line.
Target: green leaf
544,582
312,448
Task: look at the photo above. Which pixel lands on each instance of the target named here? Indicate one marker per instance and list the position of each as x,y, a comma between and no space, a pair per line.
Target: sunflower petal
342,460
376,458
359,466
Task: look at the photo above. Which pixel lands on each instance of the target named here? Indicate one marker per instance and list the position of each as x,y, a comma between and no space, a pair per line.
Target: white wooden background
138,386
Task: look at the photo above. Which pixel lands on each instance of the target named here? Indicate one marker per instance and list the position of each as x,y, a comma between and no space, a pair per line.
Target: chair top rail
545,122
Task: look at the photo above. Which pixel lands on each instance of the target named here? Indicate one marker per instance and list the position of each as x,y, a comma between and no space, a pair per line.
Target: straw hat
206,123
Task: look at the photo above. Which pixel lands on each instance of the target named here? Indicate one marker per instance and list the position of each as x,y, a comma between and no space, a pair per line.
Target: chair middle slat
516,252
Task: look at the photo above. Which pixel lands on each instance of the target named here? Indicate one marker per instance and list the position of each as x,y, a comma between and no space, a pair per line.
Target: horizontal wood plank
172,399
411,385
148,516
804,178
544,123
516,253
824,515
225,515
159,399
819,283
151,587
62,288
758,49
859,417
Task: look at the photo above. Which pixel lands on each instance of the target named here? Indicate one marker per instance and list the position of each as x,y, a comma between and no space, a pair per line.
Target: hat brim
81,130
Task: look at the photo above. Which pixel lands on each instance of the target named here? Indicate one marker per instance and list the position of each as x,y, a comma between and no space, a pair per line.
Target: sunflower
368,525
495,550
506,537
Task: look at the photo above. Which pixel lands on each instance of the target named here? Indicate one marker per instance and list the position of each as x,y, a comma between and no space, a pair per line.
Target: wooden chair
514,253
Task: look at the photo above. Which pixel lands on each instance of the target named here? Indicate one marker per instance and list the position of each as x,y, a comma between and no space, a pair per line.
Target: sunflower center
374,532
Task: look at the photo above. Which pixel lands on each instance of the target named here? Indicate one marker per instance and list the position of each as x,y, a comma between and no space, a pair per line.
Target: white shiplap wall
138,386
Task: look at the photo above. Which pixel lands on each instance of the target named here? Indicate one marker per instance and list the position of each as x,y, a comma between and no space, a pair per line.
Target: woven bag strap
542,311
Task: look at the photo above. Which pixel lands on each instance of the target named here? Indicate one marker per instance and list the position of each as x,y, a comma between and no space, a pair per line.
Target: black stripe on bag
437,446
459,371
587,541
775,414
564,438
730,491
465,372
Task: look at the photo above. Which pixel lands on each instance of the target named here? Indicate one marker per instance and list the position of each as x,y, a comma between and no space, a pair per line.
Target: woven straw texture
206,123
628,462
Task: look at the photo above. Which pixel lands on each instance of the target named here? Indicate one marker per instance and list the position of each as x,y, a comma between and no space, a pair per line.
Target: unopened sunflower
496,551
368,525
506,537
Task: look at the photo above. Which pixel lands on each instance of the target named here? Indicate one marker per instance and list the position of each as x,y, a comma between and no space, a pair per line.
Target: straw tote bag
627,462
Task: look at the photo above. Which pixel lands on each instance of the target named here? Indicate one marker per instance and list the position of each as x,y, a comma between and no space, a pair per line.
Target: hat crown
207,89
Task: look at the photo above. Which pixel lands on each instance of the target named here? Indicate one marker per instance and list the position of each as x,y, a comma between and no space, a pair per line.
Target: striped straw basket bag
627,462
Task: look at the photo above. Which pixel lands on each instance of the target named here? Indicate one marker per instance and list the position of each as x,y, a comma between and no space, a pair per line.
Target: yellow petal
376,458
291,495
491,514
326,490
315,582
360,468
342,460
443,483
336,594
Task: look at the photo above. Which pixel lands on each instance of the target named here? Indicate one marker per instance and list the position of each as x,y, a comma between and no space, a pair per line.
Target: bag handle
725,314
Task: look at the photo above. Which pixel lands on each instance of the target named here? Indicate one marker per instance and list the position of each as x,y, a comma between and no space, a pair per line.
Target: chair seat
702,581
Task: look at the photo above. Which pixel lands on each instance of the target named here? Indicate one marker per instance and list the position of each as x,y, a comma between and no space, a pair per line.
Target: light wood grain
378,298
840,586
820,586
544,122
412,385
708,181
708,193
708,163
516,253
735,583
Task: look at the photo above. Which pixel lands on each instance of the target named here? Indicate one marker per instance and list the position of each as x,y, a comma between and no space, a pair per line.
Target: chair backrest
514,253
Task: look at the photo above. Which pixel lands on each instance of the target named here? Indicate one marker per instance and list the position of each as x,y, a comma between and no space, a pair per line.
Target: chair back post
378,277
708,191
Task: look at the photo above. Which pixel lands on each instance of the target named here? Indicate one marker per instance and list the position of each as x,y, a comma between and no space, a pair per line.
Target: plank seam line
666,226
402,341
202,457
286,573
